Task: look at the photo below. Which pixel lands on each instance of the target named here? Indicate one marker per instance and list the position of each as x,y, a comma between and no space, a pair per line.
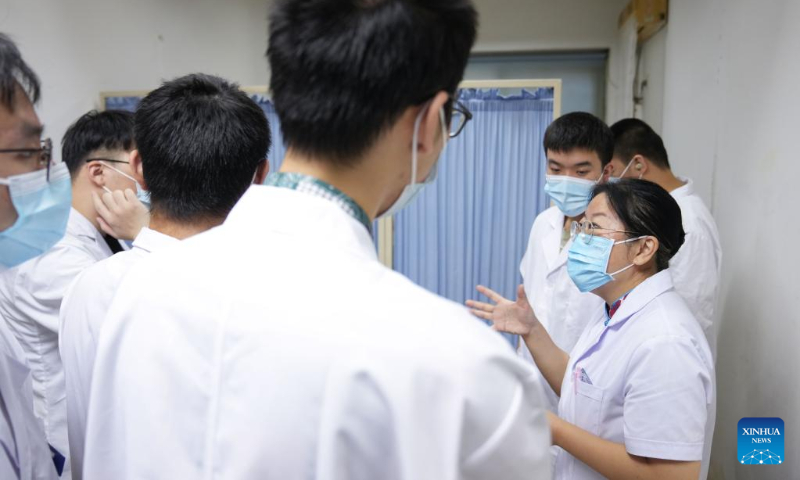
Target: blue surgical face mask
411,190
587,263
142,194
571,195
43,210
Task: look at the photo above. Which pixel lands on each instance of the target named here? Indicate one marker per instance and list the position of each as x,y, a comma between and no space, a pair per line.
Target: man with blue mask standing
34,204
579,147
285,348
95,159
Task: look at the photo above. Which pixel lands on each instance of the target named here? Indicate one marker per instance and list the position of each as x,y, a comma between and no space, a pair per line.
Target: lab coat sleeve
695,274
667,394
515,433
8,448
42,284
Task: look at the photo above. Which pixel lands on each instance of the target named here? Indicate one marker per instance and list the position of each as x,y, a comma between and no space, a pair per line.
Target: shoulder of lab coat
82,314
361,347
670,370
24,453
31,294
696,266
672,373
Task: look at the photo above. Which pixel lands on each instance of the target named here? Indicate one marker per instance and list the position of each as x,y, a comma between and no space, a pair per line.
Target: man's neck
665,179
364,183
181,230
83,203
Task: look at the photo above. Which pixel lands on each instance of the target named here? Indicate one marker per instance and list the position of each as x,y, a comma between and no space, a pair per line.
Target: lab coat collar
309,218
643,294
80,227
555,256
151,240
686,190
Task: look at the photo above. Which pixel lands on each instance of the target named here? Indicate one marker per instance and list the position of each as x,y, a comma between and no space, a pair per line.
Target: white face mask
411,190
142,194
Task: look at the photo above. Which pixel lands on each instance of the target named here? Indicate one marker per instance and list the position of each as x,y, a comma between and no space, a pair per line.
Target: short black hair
343,71
580,130
645,208
201,139
14,71
634,137
110,130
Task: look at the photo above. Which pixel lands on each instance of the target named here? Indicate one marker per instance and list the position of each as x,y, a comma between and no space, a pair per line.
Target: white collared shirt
30,299
278,346
646,380
82,314
24,454
697,265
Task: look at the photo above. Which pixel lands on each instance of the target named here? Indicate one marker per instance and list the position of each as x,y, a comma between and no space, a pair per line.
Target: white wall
82,47
731,121
514,25
651,80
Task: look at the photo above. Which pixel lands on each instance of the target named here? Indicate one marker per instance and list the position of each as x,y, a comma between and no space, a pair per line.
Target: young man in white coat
639,152
277,345
178,151
95,150
579,147
34,205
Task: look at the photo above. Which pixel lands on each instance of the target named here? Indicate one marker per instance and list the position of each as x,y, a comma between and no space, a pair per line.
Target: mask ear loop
627,167
620,243
121,173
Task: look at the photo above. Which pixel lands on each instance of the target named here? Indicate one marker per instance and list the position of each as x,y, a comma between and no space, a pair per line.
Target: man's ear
641,165
261,172
431,134
607,171
95,173
137,170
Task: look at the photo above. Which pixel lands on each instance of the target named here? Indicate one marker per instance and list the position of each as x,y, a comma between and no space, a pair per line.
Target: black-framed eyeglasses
459,118
43,156
111,160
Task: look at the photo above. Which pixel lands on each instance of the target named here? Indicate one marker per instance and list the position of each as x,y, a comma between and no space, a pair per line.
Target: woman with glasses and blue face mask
637,392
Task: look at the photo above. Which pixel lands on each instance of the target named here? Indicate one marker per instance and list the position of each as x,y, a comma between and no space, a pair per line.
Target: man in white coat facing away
277,345
177,151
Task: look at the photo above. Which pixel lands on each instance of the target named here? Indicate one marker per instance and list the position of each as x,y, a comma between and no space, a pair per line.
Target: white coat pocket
588,401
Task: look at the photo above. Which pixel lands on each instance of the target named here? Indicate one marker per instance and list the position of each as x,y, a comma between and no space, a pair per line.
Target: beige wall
512,25
731,121
82,47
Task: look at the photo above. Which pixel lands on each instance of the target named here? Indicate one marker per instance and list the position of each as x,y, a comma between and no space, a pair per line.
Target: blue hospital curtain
471,226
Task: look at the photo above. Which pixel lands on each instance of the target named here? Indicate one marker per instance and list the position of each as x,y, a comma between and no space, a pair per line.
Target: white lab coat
82,314
30,299
565,311
278,346
24,454
697,265
645,380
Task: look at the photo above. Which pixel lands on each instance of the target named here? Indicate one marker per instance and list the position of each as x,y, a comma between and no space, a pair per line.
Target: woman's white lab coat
645,380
